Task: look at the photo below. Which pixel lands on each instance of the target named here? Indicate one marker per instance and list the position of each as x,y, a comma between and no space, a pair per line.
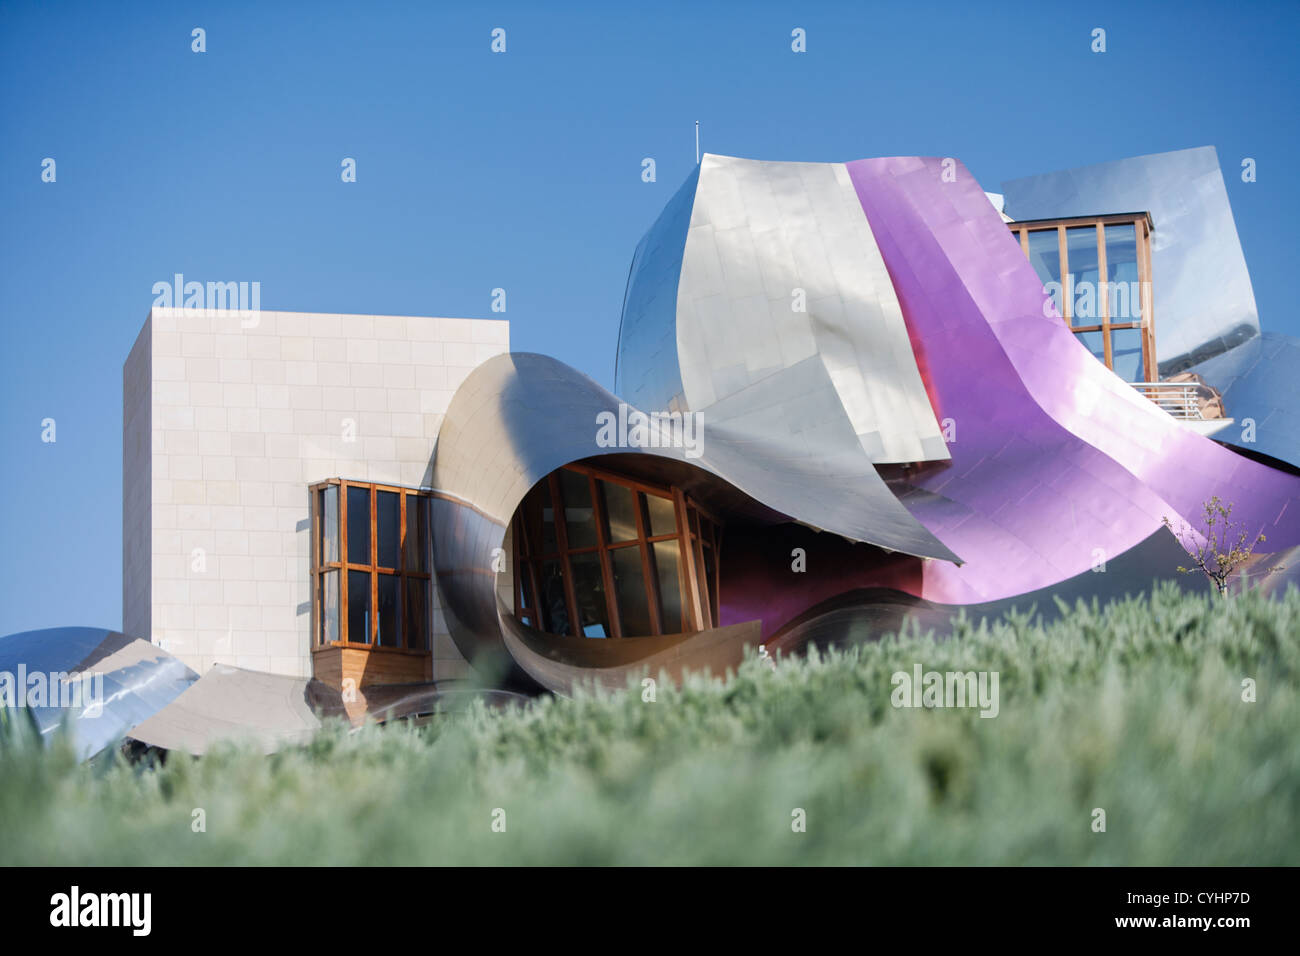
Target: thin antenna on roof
697,142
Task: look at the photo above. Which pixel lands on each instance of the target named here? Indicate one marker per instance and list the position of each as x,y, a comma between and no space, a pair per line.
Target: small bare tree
1215,553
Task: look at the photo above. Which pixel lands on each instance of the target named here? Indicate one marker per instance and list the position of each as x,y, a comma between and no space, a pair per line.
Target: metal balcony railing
1179,399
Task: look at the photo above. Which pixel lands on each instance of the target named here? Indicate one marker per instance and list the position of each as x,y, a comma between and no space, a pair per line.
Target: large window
601,555
370,566
1098,270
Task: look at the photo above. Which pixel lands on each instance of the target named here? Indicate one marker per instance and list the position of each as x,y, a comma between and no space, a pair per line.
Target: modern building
242,429
848,395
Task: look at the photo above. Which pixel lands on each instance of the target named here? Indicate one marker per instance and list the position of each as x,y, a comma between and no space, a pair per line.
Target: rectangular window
667,558
1045,254
663,517
371,579
388,527
630,589
614,567
390,610
1098,270
330,601
620,512
579,516
330,503
417,613
358,607
417,534
589,590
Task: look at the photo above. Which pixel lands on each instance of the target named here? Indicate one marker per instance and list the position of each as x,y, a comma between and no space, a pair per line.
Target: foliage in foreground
1136,708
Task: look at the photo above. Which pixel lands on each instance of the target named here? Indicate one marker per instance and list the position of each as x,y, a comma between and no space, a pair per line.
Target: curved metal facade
782,278
920,309
763,279
136,679
1057,462
519,417
1261,392
646,371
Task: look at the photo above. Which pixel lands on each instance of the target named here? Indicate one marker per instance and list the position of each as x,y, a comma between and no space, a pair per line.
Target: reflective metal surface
1204,303
1057,462
923,308
1261,392
780,279
129,678
518,417
230,704
646,370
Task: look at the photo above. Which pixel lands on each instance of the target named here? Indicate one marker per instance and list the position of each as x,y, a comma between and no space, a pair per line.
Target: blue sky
519,170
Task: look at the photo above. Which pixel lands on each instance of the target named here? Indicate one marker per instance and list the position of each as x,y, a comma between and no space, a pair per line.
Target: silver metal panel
518,417
138,679
645,369
1261,392
759,231
230,705
1204,303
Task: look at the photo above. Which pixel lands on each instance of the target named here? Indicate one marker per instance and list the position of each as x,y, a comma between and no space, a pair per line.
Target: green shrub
1136,709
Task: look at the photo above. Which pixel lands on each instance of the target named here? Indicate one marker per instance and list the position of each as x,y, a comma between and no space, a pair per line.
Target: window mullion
345,631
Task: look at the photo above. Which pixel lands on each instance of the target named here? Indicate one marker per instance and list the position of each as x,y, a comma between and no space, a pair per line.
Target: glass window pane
523,581
589,592
1124,293
358,526
554,606
1045,257
630,589
1081,251
579,519
620,511
417,533
1126,353
539,518
388,528
330,511
663,516
358,604
710,565
390,610
417,612
666,560
330,605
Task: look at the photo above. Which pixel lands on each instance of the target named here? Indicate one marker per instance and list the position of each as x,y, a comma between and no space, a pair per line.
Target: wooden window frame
1143,227
697,596
343,566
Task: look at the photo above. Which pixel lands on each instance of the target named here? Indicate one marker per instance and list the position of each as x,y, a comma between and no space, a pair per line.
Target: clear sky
519,170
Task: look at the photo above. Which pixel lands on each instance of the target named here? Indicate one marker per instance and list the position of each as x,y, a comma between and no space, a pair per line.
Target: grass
1135,708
